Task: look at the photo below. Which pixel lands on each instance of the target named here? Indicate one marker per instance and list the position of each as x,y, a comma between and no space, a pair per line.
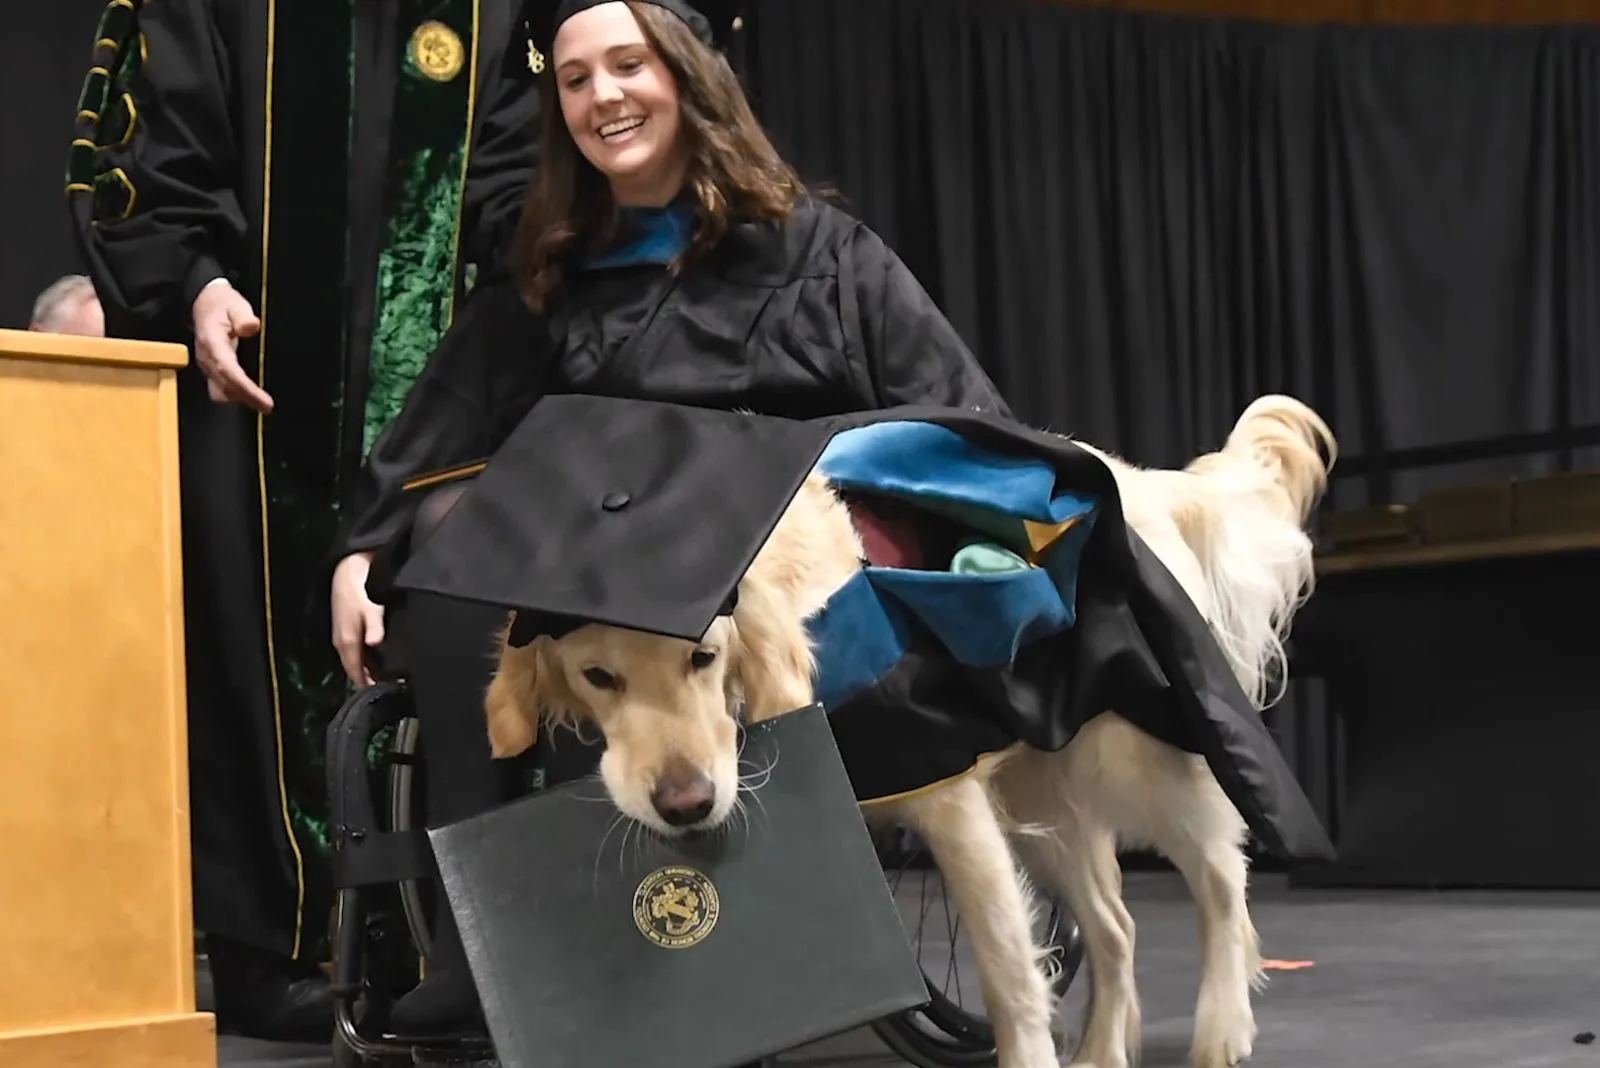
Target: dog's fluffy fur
1230,527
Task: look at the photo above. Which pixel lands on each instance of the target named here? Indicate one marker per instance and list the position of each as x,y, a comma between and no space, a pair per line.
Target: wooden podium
96,937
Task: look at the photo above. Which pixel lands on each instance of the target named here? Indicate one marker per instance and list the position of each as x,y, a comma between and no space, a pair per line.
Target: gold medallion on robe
437,51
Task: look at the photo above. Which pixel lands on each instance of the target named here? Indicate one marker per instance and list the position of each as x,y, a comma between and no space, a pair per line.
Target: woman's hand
357,622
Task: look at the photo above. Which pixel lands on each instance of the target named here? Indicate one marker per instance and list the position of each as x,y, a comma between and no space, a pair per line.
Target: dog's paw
1102,1048
1226,1057
1101,1058
1228,1049
1031,1051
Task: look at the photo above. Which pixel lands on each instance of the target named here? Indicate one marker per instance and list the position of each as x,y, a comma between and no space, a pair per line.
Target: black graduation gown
815,317
214,138
816,321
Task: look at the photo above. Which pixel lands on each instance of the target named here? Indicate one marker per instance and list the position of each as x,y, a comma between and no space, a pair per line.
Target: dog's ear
772,662
518,695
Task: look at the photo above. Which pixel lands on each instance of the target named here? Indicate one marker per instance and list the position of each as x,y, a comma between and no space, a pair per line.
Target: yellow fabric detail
983,761
1041,536
439,477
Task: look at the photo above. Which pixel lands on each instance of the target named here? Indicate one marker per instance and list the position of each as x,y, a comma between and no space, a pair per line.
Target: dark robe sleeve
504,155
485,374
912,353
178,224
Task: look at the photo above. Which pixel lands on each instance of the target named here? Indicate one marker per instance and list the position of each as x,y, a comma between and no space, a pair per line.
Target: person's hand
221,318
357,622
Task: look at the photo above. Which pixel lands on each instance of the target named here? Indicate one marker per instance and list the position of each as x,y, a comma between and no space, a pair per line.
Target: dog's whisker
740,813
600,852
758,778
765,774
752,790
622,850
646,835
616,821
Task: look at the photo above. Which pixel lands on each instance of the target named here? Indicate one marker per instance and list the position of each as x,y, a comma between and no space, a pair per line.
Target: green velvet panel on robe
415,280
422,206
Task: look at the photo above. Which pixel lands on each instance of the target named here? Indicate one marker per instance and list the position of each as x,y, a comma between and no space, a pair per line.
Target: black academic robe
235,139
812,318
816,321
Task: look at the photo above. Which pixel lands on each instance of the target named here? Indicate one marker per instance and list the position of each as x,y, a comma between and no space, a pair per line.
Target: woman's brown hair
734,173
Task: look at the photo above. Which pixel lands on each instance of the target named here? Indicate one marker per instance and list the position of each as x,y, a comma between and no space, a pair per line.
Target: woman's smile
621,129
620,103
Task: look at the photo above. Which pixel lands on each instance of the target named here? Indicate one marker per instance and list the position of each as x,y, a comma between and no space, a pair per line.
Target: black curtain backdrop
1143,221
47,56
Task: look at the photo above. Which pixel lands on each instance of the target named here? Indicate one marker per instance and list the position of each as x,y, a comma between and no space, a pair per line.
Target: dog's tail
1247,527
1282,445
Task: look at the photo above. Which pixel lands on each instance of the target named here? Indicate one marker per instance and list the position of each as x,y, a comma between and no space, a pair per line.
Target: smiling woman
666,252
620,104
640,114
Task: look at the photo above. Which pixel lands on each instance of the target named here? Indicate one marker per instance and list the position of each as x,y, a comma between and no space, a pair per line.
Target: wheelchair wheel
952,1030
379,868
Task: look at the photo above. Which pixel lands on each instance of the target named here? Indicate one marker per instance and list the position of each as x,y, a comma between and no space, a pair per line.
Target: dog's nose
684,798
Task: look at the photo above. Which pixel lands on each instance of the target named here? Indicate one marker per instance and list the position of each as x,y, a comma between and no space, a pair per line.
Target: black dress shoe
445,1002
259,994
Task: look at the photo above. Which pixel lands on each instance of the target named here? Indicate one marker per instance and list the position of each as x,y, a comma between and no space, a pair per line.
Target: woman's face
620,104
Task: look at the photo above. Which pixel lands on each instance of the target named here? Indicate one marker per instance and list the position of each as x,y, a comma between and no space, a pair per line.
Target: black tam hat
637,514
714,22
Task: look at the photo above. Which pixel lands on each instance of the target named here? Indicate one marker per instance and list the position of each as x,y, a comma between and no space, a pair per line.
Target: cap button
615,501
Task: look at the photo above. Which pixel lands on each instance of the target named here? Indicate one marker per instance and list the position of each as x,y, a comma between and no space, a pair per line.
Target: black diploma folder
596,944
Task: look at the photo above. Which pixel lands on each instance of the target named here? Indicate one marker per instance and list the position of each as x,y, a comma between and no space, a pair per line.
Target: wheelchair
382,871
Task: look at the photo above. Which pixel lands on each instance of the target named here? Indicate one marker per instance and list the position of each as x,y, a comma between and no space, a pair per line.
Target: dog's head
666,707
669,708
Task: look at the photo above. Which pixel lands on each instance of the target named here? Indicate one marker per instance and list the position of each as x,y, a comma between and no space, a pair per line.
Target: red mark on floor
1287,965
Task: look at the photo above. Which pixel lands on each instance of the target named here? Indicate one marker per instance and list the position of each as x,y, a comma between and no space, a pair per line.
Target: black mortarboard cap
638,514
713,21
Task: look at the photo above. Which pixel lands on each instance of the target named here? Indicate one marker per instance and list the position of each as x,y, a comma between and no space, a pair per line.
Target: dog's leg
1151,794
1198,829
964,835
1075,856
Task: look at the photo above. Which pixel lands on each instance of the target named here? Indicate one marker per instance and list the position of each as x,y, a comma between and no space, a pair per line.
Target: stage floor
1457,980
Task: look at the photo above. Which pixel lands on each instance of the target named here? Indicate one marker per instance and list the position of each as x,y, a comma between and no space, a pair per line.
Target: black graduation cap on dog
638,514
714,22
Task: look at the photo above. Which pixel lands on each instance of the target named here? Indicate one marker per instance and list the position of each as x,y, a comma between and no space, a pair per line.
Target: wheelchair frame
373,850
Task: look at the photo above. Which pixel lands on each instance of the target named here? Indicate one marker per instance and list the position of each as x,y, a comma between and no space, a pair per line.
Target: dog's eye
701,659
601,679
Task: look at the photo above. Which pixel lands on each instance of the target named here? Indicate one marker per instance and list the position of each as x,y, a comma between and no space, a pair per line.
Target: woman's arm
912,353
489,368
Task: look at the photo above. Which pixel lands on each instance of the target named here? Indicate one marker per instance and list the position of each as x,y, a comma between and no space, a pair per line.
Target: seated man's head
69,306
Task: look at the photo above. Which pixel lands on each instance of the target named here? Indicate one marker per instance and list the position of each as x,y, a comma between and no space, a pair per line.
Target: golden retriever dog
1230,527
